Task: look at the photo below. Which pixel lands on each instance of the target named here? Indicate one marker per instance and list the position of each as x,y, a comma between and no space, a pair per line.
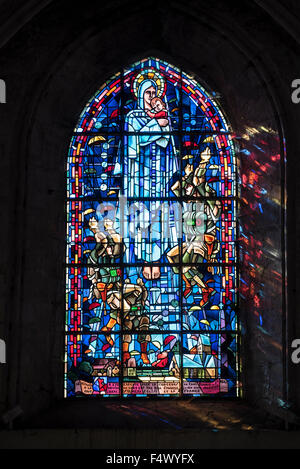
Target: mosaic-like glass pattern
151,252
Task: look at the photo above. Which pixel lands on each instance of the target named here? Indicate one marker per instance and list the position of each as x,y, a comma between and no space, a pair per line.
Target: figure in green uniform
107,285
199,224
102,271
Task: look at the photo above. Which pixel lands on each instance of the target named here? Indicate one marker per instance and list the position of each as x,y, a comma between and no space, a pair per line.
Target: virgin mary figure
149,152
150,161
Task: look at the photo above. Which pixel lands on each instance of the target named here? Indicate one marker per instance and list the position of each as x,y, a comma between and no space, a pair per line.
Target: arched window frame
84,132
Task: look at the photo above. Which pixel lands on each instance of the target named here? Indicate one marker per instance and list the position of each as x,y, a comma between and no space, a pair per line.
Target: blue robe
149,163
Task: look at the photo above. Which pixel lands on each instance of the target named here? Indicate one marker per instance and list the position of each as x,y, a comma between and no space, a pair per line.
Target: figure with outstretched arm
102,271
199,222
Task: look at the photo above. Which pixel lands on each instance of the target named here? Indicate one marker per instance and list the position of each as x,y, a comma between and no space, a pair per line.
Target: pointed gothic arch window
151,262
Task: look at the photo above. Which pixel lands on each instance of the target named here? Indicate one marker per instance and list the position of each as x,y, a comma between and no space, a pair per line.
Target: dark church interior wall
56,56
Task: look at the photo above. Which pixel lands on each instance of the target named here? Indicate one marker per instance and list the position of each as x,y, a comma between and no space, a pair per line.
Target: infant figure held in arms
158,112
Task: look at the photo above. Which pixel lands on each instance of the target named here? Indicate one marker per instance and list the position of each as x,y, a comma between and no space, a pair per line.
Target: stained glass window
151,261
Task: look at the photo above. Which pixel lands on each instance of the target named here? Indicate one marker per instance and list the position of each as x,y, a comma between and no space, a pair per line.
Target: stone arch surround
50,106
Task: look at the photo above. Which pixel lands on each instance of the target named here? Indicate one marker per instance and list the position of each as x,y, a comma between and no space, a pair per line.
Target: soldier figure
106,285
200,229
134,299
108,249
102,272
